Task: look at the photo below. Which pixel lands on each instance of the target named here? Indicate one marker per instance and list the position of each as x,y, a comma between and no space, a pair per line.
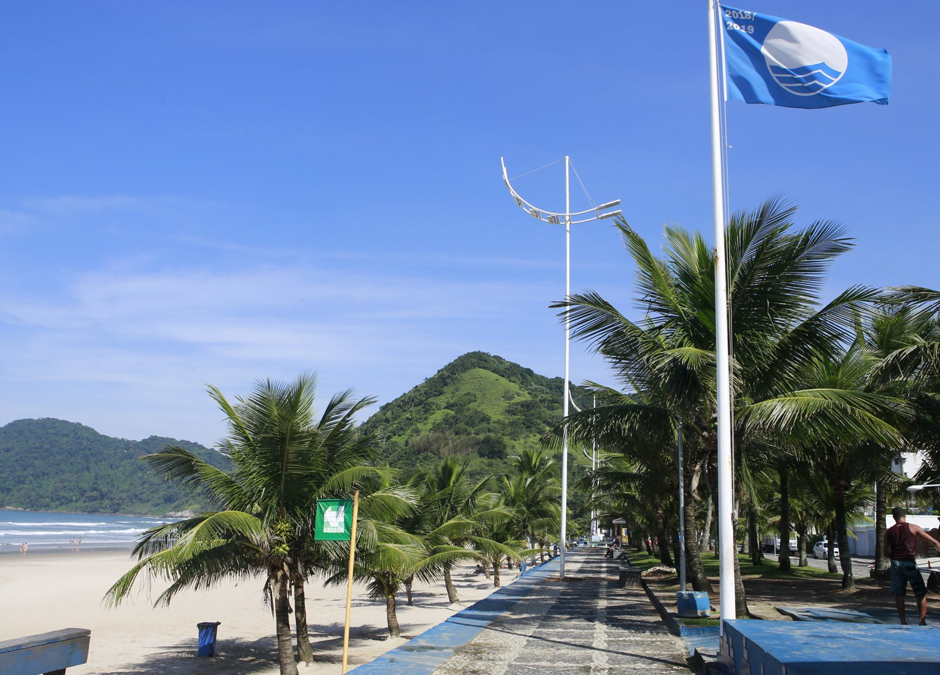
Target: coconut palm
284,459
666,361
451,509
903,340
495,544
532,493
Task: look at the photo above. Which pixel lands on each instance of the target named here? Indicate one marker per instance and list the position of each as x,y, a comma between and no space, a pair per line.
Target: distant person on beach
901,548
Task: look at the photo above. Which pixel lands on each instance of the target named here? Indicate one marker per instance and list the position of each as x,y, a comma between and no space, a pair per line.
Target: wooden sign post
352,560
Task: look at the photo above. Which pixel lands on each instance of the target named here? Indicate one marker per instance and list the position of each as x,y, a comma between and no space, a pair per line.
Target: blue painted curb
427,652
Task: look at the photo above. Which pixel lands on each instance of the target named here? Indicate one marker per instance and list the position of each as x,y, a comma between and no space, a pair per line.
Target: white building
863,544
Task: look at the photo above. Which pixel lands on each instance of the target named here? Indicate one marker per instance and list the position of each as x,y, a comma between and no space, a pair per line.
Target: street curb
425,653
700,658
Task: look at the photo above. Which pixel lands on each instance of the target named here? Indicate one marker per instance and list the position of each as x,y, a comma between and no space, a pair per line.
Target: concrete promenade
584,625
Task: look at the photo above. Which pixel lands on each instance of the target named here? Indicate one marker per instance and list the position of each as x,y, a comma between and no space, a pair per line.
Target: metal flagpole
352,560
681,515
563,544
725,477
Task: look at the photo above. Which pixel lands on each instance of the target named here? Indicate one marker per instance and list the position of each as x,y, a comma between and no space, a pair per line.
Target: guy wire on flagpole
723,380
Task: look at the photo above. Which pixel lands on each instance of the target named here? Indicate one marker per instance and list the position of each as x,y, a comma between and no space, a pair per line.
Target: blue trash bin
207,633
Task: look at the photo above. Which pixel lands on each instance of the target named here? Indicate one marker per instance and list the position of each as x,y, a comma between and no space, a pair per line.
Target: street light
917,488
568,219
595,463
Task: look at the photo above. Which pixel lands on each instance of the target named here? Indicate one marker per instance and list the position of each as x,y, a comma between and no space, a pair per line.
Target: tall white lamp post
568,219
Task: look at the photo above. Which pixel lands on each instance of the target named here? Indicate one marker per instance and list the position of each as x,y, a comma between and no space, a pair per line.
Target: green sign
334,520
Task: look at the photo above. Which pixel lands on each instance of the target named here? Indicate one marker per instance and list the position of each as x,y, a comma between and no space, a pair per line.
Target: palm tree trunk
693,550
753,539
845,558
304,650
784,550
285,650
801,543
391,616
449,585
706,542
831,549
740,597
677,551
882,564
664,556
496,583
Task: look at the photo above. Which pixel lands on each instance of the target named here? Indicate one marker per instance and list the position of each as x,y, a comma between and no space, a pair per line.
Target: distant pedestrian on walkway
901,548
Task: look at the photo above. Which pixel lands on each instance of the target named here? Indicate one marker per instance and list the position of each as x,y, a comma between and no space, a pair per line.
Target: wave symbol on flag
803,59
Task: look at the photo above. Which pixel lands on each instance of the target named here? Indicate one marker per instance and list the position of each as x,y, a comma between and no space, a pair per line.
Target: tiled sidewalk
584,625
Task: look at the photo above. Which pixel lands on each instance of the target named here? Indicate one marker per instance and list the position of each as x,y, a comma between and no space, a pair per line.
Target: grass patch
700,621
768,569
643,560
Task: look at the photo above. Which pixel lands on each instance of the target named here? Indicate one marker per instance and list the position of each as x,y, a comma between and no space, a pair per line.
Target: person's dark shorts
904,572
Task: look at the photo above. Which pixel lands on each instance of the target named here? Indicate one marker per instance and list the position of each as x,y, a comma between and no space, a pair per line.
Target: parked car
772,545
821,549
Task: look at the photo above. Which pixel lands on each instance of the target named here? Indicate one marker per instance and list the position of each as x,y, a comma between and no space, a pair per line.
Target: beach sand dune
52,591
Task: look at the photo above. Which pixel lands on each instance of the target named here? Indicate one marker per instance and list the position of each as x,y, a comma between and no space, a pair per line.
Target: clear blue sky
205,192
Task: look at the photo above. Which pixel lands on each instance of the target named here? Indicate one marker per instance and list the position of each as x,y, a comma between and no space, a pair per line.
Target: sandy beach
52,591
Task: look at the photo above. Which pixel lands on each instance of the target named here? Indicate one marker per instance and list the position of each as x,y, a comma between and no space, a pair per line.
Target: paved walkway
584,625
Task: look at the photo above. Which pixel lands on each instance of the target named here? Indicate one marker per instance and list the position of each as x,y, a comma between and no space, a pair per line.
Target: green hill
54,465
480,406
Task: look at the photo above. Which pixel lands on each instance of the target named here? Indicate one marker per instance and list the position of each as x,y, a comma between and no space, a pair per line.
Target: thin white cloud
69,206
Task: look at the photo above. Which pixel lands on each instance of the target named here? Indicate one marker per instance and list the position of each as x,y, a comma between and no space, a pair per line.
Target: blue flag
791,64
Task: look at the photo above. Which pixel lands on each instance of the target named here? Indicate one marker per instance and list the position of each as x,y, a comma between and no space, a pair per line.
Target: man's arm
887,547
920,532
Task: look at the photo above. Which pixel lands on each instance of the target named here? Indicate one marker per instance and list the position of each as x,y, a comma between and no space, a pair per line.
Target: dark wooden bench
46,653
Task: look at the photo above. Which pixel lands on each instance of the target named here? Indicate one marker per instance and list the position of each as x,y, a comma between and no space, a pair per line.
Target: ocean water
60,531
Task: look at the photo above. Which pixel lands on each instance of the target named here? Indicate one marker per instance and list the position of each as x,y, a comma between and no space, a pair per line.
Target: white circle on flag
803,59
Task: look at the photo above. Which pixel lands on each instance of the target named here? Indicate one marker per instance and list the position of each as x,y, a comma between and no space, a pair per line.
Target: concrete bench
46,653
629,575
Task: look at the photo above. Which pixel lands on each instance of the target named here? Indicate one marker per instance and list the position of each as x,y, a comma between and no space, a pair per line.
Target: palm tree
496,544
451,508
666,361
902,338
532,493
284,458
841,430
388,556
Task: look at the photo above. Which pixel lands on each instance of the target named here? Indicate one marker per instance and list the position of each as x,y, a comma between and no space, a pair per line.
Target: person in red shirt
901,548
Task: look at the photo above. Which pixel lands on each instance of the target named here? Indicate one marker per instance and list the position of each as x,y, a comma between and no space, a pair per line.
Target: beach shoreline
85,548
55,590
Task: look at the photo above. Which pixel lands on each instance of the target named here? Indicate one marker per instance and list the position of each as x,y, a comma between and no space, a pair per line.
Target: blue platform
823,648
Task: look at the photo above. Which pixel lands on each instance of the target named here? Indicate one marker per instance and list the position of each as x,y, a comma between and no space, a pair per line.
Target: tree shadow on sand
233,655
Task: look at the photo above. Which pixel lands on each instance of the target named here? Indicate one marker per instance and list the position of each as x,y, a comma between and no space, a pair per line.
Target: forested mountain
54,465
479,405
